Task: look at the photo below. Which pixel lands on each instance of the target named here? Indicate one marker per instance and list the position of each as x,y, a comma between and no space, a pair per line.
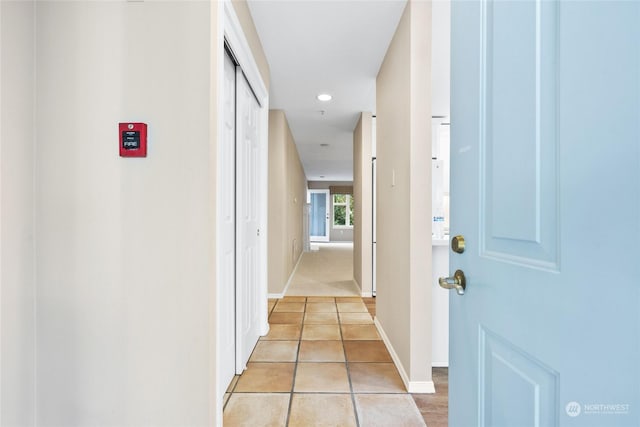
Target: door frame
327,194
228,30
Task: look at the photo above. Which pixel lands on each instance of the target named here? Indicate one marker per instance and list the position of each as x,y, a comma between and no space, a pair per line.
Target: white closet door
226,230
247,239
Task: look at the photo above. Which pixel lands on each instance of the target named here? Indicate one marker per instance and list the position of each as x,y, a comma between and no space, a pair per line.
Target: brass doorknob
457,282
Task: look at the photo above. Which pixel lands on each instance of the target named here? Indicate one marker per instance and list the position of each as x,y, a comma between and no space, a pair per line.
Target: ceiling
325,46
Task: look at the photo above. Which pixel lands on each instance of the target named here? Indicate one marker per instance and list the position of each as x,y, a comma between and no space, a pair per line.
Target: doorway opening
319,216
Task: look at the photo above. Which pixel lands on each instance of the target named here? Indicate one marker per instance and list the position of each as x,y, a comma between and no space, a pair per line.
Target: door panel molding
506,370
518,109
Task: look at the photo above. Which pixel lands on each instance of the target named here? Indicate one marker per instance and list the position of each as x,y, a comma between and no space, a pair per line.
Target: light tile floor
322,363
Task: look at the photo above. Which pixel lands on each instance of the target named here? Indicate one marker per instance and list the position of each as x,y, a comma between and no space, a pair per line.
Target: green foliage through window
343,210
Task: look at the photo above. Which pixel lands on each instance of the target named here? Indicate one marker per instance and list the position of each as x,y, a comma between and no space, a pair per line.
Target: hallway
325,271
322,363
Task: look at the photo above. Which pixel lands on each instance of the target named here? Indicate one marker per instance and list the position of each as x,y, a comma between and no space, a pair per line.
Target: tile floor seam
322,392
235,381
346,362
295,368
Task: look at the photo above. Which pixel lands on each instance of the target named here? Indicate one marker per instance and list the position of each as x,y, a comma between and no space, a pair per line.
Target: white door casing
230,32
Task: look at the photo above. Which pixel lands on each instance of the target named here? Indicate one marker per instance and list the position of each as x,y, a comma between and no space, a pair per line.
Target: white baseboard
363,294
264,330
440,364
422,387
286,287
411,386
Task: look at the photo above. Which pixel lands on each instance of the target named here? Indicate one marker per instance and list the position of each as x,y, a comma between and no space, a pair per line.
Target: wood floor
435,407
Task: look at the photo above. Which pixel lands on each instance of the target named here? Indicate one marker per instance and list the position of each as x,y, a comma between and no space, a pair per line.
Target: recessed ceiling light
324,97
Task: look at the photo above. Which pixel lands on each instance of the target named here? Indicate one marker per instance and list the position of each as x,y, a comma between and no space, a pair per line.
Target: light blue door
319,218
545,189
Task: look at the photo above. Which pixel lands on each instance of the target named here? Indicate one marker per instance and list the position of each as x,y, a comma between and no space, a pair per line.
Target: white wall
17,278
107,291
337,234
441,57
124,254
440,83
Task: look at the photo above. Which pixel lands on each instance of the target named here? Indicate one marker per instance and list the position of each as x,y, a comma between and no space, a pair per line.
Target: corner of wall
412,386
403,194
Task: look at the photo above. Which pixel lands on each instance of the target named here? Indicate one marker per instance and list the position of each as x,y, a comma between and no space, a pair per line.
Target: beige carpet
325,272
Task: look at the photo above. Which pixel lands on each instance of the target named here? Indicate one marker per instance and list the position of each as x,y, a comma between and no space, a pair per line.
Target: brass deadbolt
457,244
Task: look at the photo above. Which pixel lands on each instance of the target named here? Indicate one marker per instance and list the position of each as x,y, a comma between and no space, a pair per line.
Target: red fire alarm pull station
133,139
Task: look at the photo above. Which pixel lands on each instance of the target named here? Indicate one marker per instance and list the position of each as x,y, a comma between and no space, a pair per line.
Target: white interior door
248,166
319,227
226,230
545,188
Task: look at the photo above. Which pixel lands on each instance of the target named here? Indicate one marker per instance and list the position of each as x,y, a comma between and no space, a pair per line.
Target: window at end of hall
342,210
